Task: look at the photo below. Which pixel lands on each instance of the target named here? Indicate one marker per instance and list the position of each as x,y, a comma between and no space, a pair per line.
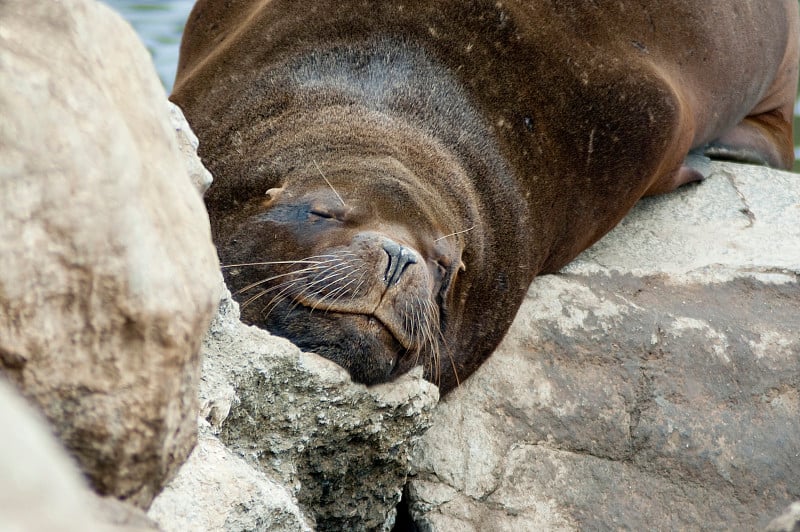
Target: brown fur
526,129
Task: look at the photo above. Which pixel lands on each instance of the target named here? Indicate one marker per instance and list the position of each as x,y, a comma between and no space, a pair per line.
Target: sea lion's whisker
245,304
280,296
426,343
433,330
268,279
410,324
287,284
343,292
333,280
456,233
419,321
313,259
338,266
424,313
339,291
430,333
448,351
328,182
427,333
330,276
415,319
315,266
453,365
253,298
326,273
416,329
284,287
360,282
272,304
270,263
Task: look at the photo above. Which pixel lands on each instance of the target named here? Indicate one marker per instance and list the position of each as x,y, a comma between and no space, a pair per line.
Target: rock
35,473
40,486
188,144
788,521
108,277
216,490
115,515
341,448
653,383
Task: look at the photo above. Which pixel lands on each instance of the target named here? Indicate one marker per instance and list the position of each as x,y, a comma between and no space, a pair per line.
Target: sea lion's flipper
683,175
760,139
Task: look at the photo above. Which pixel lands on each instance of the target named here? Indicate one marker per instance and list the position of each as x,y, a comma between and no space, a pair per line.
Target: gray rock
652,384
108,277
341,448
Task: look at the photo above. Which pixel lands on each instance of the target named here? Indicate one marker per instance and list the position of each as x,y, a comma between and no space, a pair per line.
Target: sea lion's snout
399,259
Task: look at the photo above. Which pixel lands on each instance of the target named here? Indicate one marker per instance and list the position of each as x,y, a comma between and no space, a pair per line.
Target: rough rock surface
217,490
788,521
188,144
40,486
653,384
108,278
343,450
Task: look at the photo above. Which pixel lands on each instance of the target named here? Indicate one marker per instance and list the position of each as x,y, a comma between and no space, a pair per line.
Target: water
160,25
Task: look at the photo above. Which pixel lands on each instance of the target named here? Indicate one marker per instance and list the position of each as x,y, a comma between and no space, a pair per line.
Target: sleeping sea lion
390,176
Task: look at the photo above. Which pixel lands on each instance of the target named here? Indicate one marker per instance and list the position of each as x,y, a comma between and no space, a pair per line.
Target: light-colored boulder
40,489
652,384
108,277
342,449
217,490
40,486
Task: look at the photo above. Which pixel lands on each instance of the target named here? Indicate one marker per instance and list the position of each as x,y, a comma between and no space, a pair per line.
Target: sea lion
390,176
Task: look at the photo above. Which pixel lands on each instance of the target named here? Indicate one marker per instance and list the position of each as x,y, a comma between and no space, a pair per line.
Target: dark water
160,25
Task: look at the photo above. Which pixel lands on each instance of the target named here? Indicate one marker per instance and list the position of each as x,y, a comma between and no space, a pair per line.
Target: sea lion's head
355,259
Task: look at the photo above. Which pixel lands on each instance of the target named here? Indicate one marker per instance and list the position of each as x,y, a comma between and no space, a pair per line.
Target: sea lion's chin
360,343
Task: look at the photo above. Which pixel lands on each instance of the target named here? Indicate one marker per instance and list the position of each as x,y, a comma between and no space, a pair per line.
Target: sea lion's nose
399,259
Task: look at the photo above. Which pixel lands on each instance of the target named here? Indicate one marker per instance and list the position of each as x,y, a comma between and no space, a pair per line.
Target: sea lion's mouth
369,321
359,342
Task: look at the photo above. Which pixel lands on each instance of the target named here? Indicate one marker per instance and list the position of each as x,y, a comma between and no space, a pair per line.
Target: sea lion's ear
271,196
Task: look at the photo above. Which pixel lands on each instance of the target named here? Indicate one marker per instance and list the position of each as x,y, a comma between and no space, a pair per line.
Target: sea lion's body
426,160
